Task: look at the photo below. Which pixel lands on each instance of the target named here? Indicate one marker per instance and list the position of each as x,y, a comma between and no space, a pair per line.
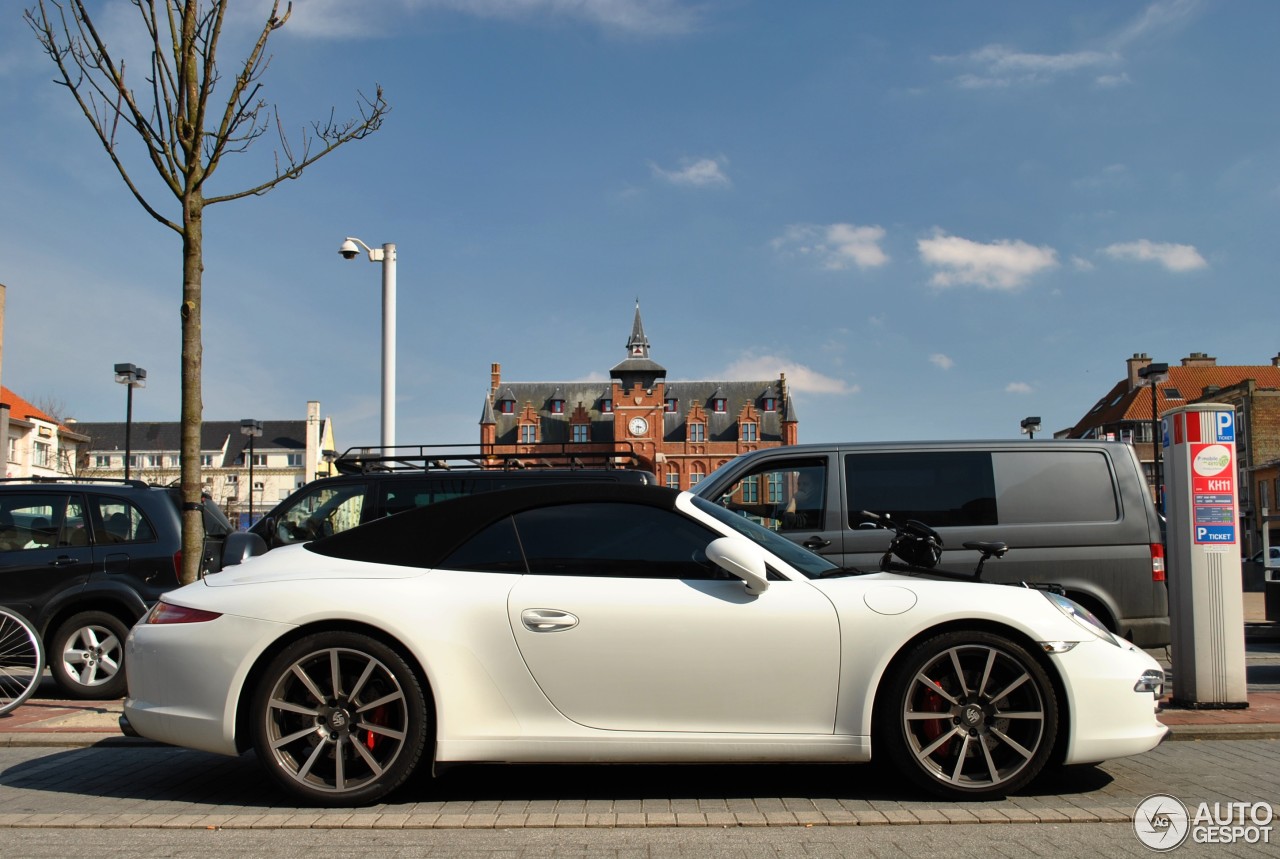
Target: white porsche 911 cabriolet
622,624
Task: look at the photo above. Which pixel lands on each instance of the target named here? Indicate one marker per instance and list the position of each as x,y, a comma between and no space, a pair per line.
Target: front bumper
1109,719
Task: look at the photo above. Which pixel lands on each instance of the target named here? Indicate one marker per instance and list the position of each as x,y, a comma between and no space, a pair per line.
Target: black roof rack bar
455,457
67,478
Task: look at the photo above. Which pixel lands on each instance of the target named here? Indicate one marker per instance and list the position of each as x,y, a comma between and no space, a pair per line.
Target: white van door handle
547,620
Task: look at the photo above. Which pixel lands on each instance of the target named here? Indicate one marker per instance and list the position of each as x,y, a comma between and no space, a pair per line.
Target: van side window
942,489
1047,486
782,495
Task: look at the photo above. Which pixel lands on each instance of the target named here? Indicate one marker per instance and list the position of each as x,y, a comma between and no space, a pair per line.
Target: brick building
1125,414
681,431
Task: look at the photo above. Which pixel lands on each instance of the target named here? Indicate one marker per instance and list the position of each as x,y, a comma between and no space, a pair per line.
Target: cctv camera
349,250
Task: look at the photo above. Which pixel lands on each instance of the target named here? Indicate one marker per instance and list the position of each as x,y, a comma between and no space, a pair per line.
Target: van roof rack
456,457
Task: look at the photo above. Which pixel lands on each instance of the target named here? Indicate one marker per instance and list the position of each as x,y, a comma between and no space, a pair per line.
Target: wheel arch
243,733
995,628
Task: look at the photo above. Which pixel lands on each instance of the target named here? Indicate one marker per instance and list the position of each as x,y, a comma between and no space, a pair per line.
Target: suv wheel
86,655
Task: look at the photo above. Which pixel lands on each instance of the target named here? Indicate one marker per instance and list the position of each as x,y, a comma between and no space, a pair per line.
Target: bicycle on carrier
918,549
21,660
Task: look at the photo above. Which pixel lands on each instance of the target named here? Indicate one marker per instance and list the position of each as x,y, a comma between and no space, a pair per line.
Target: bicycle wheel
21,660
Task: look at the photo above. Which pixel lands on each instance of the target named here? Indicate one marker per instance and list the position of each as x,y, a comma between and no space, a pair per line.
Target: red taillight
177,566
169,613
1157,562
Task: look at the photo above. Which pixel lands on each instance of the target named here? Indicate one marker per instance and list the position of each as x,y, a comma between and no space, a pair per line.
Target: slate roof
555,428
166,436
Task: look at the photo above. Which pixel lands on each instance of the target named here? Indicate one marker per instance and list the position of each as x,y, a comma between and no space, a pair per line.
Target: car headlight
1081,615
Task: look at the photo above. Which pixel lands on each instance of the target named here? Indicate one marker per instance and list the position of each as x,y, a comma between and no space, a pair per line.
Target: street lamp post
1030,426
131,376
252,429
1154,374
387,256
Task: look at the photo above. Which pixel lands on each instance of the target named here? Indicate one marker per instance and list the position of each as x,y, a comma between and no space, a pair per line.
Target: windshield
812,565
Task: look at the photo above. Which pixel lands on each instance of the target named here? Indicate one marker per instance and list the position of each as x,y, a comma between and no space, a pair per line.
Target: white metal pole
388,345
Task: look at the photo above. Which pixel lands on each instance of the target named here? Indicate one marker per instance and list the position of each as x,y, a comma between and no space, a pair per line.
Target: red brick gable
1124,404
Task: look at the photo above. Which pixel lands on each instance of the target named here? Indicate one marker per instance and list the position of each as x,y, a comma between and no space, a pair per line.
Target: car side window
31,521
119,521
783,495
615,539
496,549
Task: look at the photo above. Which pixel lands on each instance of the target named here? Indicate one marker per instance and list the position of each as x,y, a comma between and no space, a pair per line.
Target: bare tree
185,134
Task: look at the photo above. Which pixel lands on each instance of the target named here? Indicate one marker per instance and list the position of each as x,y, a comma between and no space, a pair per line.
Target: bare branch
332,134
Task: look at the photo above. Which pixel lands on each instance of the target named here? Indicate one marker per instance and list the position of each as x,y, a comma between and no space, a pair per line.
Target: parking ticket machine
1206,603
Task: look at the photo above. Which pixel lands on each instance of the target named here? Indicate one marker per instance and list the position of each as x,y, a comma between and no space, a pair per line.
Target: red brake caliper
932,729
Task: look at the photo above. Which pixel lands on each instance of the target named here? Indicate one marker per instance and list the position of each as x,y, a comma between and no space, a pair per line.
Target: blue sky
936,218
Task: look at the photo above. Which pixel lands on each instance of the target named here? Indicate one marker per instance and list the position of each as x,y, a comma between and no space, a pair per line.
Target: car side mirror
742,559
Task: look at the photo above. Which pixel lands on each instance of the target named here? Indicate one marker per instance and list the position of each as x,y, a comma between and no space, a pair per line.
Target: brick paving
154,787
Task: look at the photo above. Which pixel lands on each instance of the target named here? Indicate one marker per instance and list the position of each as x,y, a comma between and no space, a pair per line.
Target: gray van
1074,513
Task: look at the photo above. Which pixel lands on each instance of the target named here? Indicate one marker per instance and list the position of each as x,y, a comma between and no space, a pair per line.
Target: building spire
637,344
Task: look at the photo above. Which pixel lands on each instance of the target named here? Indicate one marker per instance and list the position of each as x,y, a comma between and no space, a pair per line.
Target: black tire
967,715
86,656
339,742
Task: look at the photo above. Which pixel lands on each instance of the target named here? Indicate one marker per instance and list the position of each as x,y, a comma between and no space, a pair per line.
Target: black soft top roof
425,536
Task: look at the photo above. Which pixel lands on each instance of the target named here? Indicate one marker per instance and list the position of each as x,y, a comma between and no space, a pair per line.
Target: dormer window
557,407
770,404
697,432
507,407
749,432
717,405
671,404
606,407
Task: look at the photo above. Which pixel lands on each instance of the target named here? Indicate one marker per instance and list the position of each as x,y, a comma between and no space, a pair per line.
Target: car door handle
816,543
62,561
547,620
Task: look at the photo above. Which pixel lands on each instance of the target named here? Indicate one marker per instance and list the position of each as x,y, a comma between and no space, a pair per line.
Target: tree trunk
192,404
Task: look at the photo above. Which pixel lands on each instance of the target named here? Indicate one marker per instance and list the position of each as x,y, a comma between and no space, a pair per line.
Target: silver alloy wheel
336,720
92,655
86,655
975,716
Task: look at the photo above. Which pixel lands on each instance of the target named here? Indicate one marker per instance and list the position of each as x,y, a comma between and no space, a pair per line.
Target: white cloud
1002,66
343,19
1172,257
800,378
696,173
942,361
1081,264
834,246
1017,388
1003,265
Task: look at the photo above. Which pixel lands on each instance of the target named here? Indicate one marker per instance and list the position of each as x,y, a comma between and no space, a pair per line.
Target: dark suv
83,560
377,482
